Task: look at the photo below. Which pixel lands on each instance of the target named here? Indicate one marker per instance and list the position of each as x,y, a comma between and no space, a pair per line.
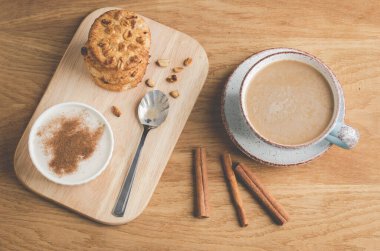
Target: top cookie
119,39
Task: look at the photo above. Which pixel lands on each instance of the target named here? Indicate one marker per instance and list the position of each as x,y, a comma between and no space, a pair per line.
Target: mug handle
343,136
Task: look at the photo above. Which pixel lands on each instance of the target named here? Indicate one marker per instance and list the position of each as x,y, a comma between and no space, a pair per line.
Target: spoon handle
125,191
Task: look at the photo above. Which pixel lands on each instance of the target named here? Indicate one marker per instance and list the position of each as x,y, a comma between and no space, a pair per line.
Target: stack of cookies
117,50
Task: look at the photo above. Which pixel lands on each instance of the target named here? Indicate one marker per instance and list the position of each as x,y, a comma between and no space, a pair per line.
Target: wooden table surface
334,201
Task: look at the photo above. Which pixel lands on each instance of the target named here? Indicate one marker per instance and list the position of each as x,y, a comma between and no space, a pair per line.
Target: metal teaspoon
152,112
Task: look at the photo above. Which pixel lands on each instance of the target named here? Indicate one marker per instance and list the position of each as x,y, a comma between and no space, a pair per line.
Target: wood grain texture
333,202
72,82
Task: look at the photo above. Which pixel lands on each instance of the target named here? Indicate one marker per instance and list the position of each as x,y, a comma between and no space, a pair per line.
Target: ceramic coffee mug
336,132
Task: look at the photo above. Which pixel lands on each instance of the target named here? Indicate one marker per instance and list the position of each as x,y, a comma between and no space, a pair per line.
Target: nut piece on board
172,78
187,61
163,62
149,82
116,111
177,69
174,94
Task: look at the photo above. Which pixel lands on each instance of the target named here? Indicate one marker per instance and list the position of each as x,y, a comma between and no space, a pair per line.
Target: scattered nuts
116,111
107,52
134,59
117,28
177,69
140,40
124,22
120,64
110,60
83,51
174,94
132,47
131,17
109,30
172,78
122,46
126,35
187,61
106,21
118,15
101,44
133,22
150,82
163,62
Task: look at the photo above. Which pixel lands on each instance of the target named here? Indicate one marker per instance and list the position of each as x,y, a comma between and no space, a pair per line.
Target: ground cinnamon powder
68,141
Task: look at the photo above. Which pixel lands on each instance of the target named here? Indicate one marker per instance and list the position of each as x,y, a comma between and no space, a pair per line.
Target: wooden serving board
72,82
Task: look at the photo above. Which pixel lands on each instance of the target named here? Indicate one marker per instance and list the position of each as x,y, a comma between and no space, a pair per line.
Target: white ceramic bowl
88,169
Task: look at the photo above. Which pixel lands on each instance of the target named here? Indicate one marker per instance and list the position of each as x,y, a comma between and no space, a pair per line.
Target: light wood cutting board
72,82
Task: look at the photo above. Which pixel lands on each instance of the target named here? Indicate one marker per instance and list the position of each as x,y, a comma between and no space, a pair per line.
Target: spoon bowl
153,109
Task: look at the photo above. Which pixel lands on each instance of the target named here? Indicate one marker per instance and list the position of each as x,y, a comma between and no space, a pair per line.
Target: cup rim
333,83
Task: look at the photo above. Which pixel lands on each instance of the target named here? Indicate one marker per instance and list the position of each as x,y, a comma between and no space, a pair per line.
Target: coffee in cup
291,100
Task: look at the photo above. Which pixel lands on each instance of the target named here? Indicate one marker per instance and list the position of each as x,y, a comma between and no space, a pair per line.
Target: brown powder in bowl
69,140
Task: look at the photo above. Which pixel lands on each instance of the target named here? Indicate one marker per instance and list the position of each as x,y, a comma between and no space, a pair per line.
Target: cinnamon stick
253,184
201,183
234,191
